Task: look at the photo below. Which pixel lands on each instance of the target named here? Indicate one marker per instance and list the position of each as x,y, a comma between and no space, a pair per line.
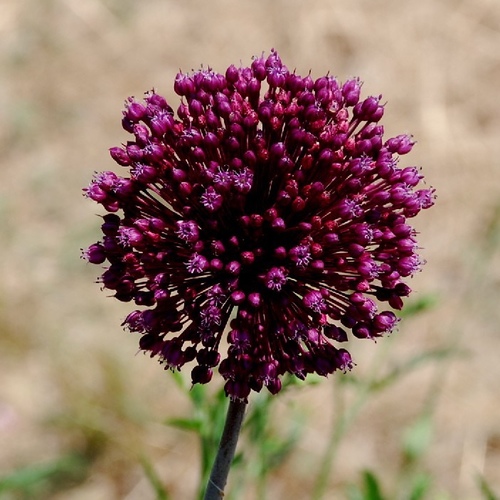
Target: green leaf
417,437
179,380
421,484
354,493
370,489
154,480
419,305
187,424
70,468
198,395
371,486
486,490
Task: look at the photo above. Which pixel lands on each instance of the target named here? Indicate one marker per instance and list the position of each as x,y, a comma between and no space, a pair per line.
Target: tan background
69,376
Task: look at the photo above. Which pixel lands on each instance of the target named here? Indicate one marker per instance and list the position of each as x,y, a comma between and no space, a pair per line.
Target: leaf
421,484
370,489
72,467
198,394
486,490
179,380
417,437
419,305
154,480
354,493
371,486
187,424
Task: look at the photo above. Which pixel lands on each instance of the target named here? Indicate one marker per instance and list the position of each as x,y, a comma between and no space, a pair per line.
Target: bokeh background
78,407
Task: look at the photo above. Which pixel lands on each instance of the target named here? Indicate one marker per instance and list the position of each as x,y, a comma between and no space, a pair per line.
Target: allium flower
258,226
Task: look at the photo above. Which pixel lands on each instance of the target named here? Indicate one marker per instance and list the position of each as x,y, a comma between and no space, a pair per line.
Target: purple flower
259,225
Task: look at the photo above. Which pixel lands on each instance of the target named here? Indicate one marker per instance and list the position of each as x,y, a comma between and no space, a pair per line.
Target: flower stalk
225,453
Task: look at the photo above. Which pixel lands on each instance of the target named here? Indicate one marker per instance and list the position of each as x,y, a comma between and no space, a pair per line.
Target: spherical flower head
258,226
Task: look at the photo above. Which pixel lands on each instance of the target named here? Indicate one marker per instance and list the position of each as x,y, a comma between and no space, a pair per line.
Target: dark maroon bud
401,144
238,297
120,156
233,267
141,133
195,107
211,140
95,254
135,152
232,74
110,224
160,124
157,100
123,188
259,69
154,152
208,357
135,111
183,85
253,87
277,150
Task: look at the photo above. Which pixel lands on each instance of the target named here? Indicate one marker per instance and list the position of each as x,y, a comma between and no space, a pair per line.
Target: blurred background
79,410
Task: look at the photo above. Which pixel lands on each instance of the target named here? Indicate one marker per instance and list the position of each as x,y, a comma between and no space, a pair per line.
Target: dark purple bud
233,268
315,301
188,231
232,74
110,224
120,156
278,224
344,360
160,124
96,193
351,91
366,109
385,321
238,297
135,152
183,85
201,375
255,300
141,133
95,254
144,173
259,68
335,333
401,144
135,111
197,264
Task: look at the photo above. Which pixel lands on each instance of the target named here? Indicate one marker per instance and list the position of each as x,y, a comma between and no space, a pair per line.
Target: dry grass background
69,379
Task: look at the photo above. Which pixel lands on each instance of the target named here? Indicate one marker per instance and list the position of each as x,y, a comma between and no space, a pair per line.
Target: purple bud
401,144
351,91
135,111
95,254
232,74
120,156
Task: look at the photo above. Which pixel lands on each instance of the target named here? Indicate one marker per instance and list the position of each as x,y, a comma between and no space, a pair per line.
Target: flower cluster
259,224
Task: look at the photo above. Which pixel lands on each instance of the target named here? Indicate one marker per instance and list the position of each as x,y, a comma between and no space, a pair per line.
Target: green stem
225,453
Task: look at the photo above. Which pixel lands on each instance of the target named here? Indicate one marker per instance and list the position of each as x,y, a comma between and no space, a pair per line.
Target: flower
259,225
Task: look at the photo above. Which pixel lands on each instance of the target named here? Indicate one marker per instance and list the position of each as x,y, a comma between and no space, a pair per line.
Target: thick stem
225,453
